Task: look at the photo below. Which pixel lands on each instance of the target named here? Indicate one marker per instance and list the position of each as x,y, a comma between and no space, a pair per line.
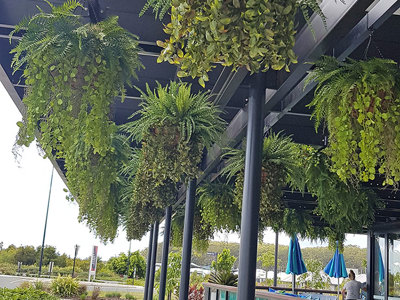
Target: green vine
345,208
360,104
144,197
217,206
253,34
279,162
73,72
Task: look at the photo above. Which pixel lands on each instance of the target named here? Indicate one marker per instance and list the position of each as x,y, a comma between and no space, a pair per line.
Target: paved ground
11,282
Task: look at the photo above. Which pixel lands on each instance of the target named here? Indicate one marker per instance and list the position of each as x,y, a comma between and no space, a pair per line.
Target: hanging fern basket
74,71
359,101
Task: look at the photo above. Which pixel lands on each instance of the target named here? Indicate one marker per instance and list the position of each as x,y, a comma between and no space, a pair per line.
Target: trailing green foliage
21,293
345,208
144,196
360,105
218,207
160,7
279,162
202,231
73,71
256,34
174,127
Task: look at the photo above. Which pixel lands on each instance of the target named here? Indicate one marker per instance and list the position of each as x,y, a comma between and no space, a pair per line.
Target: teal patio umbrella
295,265
336,267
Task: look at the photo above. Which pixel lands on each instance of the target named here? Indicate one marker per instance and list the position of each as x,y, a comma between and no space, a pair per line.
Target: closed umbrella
381,267
336,267
295,265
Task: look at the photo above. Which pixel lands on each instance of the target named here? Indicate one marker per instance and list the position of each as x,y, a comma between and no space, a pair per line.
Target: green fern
74,71
174,127
359,103
160,7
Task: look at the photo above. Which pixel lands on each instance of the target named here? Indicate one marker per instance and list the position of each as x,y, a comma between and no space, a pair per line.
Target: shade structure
295,265
336,267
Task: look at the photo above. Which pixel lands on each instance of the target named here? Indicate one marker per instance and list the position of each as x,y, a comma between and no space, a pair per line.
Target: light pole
45,223
129,260
76,253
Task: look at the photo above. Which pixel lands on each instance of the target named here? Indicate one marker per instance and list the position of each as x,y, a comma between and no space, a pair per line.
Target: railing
223,292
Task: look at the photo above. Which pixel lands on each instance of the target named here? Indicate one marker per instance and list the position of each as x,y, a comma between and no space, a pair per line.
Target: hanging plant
174,127
73,72
279,162
145,200
202,232
359,101
218,207
345,208
252,34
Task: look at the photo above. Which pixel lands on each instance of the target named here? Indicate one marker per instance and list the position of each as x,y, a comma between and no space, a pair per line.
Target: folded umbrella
336,267
295,265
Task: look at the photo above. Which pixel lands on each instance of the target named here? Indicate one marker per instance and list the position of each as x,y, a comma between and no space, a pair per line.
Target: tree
314,278
173,274
224,262
26,255
267,259
49,254
137,262
119,264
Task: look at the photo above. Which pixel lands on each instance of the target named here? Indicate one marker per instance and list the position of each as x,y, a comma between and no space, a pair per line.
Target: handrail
261,287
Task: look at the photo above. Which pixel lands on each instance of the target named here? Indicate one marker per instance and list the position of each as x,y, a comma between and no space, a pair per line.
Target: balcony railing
223,292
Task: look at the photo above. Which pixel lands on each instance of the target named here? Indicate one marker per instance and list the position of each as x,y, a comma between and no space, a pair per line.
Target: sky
24,194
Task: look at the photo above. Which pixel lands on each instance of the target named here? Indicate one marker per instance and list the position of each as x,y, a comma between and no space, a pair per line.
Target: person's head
352,276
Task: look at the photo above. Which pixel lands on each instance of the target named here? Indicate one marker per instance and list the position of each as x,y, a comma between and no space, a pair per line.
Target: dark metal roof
348,28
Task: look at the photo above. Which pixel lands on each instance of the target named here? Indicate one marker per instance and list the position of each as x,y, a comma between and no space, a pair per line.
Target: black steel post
370,265
187,240
128,262
164,263
153,262
73,266
146,283
276,259
251,190
45,223
386,259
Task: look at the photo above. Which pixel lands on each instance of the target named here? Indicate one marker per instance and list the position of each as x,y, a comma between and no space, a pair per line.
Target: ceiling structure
349,27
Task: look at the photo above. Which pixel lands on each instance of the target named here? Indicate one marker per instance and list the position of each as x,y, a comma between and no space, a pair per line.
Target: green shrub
65,286
96,292
8,269
113,295
25,293
130,297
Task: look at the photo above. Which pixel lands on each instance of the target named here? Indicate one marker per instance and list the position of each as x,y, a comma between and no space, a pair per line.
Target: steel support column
187,240
251,190
276,259
370,265
153,262
146,283
164,264
386,263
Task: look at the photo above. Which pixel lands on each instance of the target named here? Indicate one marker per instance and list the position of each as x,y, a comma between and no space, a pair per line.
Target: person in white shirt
352,288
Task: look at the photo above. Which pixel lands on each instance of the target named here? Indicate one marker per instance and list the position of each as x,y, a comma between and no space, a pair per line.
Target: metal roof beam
373,20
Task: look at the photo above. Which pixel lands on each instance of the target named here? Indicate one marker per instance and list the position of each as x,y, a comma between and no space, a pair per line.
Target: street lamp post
76,253
45,223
